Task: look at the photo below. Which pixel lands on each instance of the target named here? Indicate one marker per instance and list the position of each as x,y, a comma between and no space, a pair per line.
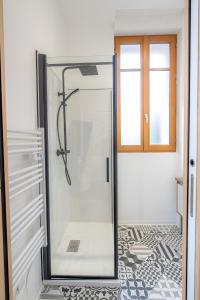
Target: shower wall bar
21,181
80,64
100,89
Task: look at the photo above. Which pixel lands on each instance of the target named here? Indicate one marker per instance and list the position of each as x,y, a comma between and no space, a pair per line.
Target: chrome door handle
191,195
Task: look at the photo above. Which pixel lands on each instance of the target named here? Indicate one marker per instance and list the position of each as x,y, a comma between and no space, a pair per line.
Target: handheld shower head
68,96
72,93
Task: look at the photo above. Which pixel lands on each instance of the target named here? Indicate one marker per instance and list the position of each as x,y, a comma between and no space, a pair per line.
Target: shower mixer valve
61,94
62,152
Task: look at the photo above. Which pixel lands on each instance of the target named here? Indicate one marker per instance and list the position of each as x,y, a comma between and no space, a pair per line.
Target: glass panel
81,215
130,56
130,108
159,108
159,56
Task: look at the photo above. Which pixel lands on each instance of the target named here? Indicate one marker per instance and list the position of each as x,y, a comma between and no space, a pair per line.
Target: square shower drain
73,246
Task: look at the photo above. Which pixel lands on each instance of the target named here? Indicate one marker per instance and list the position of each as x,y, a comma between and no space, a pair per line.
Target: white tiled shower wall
89,117
60,202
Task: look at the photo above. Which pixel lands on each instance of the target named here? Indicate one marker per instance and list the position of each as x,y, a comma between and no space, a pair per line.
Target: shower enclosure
76,108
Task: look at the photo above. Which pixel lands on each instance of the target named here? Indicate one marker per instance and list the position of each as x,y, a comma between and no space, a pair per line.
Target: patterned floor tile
141,251
159,261
150,272
129,261
131,233
126,275
166,251
173,240
151,267
173,271
174,229
153,229
124,246
147,229
134,289
166,289
150,241
90,293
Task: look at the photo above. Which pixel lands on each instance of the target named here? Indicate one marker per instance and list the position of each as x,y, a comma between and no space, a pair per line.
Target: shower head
88,70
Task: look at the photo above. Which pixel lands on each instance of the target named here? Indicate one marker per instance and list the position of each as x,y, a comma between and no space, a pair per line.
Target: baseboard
146,222
84,282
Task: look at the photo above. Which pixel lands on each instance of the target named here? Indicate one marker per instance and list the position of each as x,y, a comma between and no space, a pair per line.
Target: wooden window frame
144,42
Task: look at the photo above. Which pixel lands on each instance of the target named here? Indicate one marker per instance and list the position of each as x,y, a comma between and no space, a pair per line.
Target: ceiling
72,8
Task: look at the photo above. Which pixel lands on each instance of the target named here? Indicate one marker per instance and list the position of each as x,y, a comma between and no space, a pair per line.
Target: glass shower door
81,214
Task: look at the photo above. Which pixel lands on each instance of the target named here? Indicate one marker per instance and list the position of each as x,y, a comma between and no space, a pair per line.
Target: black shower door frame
42,117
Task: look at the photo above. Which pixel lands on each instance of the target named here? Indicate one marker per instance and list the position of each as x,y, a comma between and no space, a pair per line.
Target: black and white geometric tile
150,262
81,293
130,233
149,267
90,293
166,289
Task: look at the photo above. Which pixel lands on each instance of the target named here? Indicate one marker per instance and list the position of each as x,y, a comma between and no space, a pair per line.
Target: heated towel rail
27,145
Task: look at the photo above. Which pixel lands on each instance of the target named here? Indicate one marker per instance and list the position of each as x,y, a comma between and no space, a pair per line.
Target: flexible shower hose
63,154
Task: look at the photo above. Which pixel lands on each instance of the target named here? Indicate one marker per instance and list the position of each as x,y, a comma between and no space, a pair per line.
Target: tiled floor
90,293
81,293
150,262
149,267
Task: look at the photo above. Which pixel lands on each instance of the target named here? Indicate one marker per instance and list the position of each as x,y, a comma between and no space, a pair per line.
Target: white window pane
130,108
159,56
159,108
130,56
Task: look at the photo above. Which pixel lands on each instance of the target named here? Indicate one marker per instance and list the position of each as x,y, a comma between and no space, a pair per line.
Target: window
146,93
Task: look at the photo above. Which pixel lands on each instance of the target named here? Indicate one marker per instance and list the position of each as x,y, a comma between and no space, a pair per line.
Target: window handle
146,116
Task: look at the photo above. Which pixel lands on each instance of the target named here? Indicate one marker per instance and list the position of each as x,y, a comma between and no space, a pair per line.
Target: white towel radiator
28,147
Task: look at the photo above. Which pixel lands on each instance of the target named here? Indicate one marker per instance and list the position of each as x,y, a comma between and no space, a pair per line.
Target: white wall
89,27
147,188
28,25
146,184
146,22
